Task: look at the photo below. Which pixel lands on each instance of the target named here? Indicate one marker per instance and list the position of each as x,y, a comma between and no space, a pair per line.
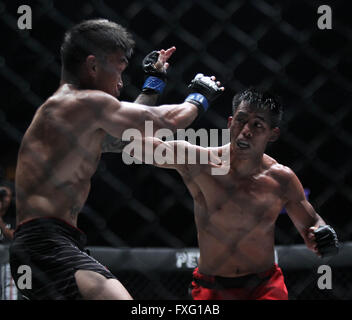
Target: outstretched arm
114,117
318,237
155,66
119,116
175,154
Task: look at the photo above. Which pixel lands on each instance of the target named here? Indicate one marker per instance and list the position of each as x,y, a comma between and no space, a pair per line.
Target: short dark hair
263,100
96,36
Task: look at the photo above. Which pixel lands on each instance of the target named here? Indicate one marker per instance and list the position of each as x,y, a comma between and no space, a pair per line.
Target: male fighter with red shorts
236,208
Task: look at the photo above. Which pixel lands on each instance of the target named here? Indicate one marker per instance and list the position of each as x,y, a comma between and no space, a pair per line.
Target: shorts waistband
59,220
246,281
51,225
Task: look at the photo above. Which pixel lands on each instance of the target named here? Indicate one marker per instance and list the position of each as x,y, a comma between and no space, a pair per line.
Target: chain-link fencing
274,45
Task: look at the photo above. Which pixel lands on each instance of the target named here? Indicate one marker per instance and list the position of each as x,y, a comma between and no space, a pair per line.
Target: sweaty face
108,77
250,130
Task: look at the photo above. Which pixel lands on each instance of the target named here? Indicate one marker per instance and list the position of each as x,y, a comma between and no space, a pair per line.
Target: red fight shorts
267,285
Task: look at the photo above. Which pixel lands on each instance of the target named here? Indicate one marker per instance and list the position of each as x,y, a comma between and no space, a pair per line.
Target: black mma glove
203,91
327,242
155,81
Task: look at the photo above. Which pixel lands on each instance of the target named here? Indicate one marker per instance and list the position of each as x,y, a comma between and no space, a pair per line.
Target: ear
275,134
229,121
91,63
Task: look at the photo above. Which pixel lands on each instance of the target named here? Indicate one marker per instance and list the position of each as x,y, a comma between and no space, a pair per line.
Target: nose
120,84
246,131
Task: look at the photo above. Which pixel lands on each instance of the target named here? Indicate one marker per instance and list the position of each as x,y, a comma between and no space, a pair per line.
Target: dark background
271,44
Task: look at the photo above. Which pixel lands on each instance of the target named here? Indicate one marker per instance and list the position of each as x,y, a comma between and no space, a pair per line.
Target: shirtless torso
236,216
61,149
235,212
59,154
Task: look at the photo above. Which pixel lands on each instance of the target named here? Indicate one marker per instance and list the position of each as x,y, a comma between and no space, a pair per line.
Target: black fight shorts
54,251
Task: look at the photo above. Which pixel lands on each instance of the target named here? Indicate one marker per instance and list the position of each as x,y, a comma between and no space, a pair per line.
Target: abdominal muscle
234,244
245,256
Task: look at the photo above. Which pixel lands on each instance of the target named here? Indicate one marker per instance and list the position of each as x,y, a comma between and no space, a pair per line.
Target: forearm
306,231
173,117
147,99
154,151
319,237
315,220
318,221
305,223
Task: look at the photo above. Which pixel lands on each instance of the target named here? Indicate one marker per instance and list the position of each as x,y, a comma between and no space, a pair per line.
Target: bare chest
249,201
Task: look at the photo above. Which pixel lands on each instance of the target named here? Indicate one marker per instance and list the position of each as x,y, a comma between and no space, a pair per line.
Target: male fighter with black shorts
238,193
61,149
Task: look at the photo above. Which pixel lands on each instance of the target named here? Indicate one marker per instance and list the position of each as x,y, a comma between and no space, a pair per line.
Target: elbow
171,124
169,121
175,120
166,121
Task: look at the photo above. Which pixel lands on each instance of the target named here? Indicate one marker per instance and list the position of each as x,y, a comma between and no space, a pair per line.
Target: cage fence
275,45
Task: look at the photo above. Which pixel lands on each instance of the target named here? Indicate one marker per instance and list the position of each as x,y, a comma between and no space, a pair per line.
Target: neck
245,166
69,78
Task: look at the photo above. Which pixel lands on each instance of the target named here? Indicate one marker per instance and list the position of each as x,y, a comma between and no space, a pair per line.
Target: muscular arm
176,154
120,116
112,144
115,117
301,212
164,154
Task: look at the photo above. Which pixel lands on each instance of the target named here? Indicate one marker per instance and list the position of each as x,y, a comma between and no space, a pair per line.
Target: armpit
112,144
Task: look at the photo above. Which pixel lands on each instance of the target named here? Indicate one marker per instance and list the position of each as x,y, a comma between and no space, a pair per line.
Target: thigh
94,286
53,265
274,289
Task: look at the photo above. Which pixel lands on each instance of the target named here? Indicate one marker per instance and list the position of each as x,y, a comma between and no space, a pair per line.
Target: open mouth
242,144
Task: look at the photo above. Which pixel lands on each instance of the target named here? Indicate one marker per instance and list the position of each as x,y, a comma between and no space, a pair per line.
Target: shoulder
283,174
95,98
78,106
87,105
287,181
76,99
